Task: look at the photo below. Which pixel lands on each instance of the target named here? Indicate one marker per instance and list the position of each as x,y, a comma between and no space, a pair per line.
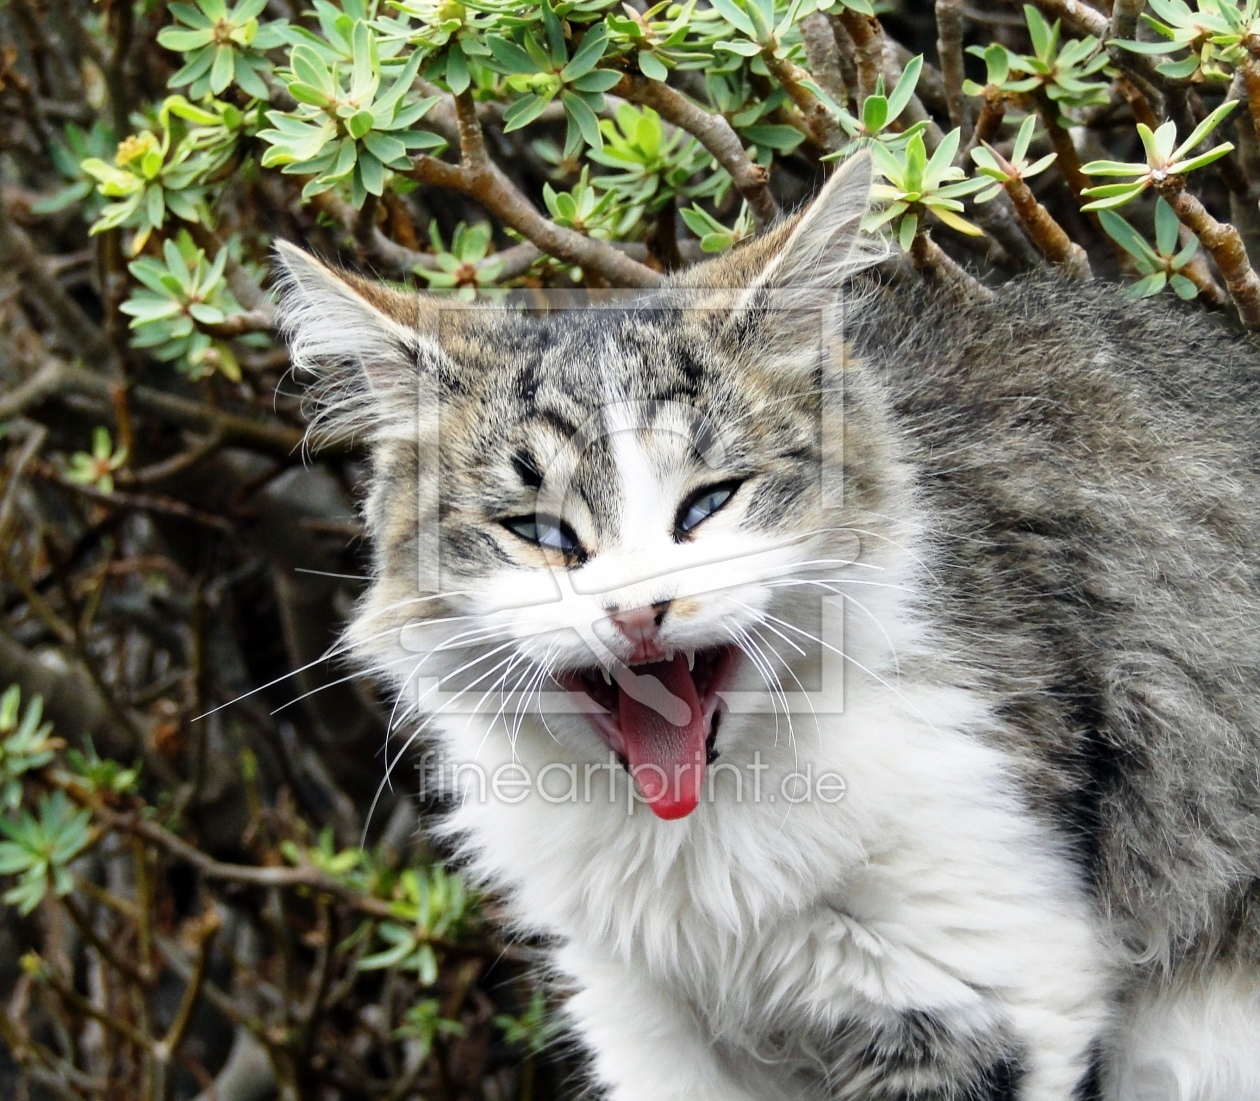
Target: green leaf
1179,70
906,232
457,77
523,111
583,117
1166,227
385,148
1204,158
359,123
1151,285
371,172
174,38
1124,235
306,93
1204,128
510,57
1120,195
735,16
874,114
222,69
651,66
1044,36
594,44
1182,287
597,80
905,87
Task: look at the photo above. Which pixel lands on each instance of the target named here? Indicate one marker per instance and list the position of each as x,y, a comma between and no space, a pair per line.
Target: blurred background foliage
207,892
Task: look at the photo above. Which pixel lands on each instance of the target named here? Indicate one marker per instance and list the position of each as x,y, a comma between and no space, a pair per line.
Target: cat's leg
935,1056
1197,1039
645,1044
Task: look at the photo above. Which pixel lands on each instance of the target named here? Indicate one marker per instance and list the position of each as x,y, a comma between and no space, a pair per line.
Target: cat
1026,860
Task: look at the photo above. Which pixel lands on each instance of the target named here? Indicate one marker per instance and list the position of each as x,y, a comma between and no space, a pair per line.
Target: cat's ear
333,319
827,246
817,250
366,346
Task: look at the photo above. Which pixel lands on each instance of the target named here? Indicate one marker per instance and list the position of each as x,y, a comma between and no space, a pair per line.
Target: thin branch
988,125
949,46
34,441
180,461
142,502
713,132
1049,237
867,37
1222,240
56,378
78,332
478,177
259,320
822,51
824,131
1068,161
932,261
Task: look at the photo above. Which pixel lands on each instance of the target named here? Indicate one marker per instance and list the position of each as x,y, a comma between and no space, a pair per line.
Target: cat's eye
545,531
702,504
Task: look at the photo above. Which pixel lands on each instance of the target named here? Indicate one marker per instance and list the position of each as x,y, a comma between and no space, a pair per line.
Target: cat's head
616,516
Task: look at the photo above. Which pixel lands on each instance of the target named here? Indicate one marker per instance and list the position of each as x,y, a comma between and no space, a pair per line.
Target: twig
34,441
1054,244
181,461
713,132
78,332
142,502
478,177
1124,17
259,320
207,927
1069,163
119,963
992,115
56,378
1250,73
823,54
931,260
949,46
822,128
82,1005
1225,244
868,48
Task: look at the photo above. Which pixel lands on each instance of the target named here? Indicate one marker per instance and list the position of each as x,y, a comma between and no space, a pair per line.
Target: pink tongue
663,734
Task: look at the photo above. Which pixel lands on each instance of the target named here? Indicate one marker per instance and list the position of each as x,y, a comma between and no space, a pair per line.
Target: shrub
196,855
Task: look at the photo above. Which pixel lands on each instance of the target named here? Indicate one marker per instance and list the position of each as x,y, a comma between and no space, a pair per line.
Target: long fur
1039,515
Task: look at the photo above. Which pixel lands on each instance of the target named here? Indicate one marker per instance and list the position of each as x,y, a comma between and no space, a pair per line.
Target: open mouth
661,719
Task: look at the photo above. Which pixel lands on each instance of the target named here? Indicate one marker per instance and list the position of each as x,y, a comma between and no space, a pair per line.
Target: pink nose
642,628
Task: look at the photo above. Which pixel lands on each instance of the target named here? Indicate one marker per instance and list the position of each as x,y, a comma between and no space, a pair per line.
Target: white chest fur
927,887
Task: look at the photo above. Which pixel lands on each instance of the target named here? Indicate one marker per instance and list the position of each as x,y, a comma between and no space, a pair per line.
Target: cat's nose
642,629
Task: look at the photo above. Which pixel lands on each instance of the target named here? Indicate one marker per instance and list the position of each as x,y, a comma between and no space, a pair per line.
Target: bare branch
1054,244
713,132
949,46
824,131
56,378
478,177
932,261
823,53
1222,240
79,334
